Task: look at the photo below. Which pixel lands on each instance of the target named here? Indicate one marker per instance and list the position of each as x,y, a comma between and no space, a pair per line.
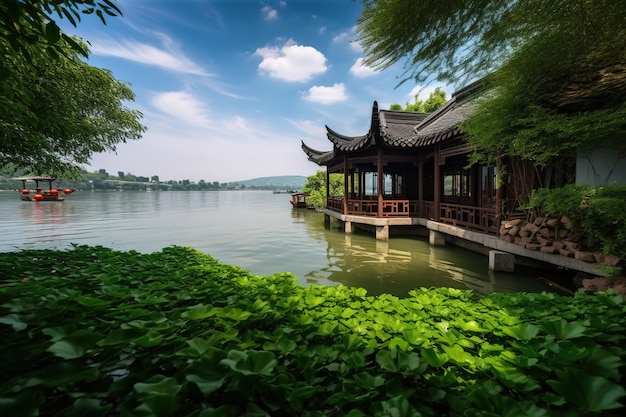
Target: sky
229,89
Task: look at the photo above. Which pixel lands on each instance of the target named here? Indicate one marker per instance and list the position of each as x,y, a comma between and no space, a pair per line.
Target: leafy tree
55,110
557,70
54,117
24,24
436,99
315,187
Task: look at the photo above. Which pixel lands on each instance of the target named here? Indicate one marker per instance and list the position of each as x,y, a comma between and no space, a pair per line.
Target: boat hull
44,198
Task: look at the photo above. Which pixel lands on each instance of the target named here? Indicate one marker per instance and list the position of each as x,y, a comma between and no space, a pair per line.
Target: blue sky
230,88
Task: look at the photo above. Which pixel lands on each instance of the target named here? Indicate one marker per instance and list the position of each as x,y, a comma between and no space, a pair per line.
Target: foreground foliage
96,332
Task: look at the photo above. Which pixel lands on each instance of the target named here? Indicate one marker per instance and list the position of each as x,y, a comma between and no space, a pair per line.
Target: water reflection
402,263
256,230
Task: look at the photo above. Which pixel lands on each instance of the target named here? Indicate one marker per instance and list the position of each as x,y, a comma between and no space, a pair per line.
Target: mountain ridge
291,182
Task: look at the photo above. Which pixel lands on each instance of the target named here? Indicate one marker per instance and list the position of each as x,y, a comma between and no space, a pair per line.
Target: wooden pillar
420,185
380,182
499,184
437,177
346,194
327,185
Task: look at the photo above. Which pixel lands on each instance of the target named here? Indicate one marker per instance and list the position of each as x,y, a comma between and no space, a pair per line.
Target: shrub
599,213
175,333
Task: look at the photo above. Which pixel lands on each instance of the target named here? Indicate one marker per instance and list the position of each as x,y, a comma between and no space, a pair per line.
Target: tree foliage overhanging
27,23
557,69
55,109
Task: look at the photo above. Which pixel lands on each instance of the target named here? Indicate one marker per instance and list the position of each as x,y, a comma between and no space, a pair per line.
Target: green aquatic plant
92,331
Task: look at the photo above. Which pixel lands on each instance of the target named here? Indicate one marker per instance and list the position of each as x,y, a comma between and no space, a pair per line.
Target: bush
599,213
175,333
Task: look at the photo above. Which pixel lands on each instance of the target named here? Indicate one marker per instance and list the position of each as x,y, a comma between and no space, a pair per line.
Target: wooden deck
479,219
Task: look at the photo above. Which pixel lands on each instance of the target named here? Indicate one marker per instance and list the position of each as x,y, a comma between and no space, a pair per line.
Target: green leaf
434,358
522,331
120,337
14,321
75,345
591,393
368,381
150,339
250,362
53,33
603,363
235,314
470,325
207,385
158,384
91,301
564,329
201,311
568,351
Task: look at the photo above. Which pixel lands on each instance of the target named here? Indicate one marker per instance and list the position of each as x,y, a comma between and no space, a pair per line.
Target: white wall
600,167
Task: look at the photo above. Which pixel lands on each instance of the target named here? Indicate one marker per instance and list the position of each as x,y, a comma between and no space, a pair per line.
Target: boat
39,194
298,200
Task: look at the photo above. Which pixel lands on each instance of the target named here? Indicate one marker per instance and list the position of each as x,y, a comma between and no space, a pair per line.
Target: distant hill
283,182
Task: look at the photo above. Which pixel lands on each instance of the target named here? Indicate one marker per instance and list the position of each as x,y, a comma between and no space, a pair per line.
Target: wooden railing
473,218
335,203
390,208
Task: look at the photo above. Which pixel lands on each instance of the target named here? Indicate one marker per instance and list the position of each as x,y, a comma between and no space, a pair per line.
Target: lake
256,230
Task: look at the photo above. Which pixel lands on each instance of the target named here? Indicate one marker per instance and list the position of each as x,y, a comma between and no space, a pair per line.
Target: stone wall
554,236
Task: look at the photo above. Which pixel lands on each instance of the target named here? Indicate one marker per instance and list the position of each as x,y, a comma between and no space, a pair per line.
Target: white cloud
183,106
343,36
146,54
291,62
269,13
327,95
360,70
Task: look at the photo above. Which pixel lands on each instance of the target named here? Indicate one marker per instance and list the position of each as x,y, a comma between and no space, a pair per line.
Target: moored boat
298,200
39,194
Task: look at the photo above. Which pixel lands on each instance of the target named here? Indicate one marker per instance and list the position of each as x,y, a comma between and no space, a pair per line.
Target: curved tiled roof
404,129
396,127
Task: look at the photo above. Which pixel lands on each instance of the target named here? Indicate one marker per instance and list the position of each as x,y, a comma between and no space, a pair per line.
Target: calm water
256,230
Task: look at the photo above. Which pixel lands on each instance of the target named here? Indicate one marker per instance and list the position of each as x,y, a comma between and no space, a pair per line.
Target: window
371,184
457,184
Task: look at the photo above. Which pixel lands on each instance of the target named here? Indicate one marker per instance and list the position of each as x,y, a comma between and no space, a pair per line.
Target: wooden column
437,178
346,193
420,185
499,184
327,185
380,183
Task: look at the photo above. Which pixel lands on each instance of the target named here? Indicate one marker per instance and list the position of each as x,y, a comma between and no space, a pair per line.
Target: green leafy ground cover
96,332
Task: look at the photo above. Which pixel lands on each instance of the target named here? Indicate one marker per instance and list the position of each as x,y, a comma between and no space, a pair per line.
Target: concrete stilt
501,261
347,227
436,238
382,232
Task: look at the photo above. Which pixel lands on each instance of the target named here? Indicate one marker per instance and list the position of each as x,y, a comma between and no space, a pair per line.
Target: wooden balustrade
481,219
473,218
